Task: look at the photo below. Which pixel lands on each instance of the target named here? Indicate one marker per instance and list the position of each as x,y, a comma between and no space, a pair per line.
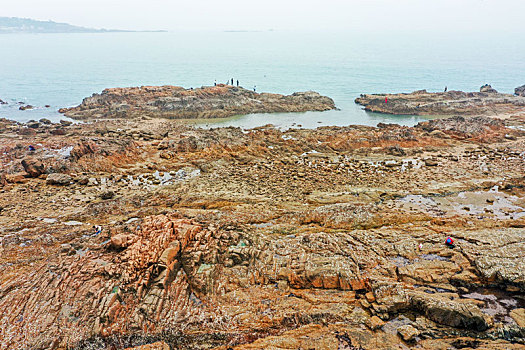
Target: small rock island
486,102
174,102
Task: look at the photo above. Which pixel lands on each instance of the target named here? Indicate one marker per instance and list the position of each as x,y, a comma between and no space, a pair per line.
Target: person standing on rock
232,81
237,82
254,88
446,89
215,83
386,99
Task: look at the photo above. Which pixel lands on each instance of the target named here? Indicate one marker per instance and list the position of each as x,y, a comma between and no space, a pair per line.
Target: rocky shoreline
327,238
486,102
175,102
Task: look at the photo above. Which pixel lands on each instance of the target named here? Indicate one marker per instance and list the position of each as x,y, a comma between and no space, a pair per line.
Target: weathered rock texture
330,238
520,91
486,102
178,103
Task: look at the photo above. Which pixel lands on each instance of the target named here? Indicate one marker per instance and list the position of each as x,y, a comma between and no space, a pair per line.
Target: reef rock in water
178,103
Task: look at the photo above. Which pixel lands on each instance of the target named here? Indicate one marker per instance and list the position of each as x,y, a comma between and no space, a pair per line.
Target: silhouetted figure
215,83
254,88
232,81
237,82
446,89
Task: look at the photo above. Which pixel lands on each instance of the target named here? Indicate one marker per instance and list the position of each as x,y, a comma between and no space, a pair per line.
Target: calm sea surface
61,69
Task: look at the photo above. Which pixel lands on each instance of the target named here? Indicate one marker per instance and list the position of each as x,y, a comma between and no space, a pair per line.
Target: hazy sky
501,16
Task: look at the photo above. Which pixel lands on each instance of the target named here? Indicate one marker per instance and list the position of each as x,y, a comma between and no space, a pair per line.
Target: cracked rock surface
207,102
332,238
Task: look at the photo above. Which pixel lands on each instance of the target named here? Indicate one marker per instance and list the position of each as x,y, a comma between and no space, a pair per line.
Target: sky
496,16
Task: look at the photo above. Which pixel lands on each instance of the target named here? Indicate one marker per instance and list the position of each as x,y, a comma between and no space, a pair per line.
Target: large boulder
33,167
448,312
83,148
58,179
520,90
488,89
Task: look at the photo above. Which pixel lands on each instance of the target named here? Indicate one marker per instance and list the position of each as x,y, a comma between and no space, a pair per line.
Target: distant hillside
26,25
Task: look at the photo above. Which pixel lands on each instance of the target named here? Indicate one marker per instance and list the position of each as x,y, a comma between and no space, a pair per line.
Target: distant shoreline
16,25
87,32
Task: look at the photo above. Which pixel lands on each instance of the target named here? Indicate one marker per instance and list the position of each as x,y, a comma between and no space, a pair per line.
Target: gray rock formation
451,103
488,89
58,179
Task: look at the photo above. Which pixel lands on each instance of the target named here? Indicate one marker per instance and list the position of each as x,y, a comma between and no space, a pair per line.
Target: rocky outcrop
143,281
23,108
520,91
463,126
168,236
33,167
178,103
58,179
407,332
486,102
449,312
488,89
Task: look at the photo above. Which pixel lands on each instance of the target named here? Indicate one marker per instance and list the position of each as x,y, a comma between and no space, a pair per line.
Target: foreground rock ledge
444,103
178,103
153,235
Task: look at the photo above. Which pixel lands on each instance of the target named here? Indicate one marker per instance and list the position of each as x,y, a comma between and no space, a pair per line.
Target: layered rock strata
486,102
327,238
178,103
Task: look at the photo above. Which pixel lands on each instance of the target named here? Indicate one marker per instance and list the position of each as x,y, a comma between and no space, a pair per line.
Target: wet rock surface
486,102
520,90
167,237
178,103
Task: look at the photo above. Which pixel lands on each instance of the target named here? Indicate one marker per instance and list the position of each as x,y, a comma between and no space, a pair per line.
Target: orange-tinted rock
207,102
33,167
154,346
16,178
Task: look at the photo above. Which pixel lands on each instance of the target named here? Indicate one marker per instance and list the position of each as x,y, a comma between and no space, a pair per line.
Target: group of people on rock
231,82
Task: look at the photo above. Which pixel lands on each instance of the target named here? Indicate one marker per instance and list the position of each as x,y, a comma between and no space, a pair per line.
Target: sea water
61,69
